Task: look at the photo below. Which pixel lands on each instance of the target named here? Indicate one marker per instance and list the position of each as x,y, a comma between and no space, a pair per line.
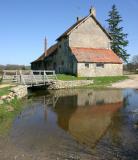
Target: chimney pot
93,11
78,19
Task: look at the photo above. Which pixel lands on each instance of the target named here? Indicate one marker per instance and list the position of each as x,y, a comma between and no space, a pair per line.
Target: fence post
3,74
44,77
16,77
20,78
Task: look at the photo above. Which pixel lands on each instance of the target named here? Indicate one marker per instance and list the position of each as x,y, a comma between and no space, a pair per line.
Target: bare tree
135,60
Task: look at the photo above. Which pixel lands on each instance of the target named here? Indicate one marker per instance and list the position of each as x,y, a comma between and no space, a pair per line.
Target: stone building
83,50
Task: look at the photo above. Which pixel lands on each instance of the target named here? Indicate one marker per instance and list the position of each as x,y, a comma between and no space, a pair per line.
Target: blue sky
25,23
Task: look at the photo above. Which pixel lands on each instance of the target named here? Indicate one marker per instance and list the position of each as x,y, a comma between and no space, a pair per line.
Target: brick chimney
93,11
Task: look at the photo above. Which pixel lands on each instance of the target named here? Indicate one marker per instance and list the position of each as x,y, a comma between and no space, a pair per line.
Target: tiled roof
67,32
49,51
95,55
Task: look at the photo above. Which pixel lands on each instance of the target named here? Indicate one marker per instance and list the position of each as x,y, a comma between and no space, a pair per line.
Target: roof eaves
39,59
111,62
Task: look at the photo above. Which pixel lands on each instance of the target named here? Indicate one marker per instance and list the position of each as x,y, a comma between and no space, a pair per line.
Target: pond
75,124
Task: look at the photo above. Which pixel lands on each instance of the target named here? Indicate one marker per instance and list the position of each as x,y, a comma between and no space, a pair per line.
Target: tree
135,60
14,67
119,39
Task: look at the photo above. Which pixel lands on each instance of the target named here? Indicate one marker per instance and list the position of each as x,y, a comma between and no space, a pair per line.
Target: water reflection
86,114
89,124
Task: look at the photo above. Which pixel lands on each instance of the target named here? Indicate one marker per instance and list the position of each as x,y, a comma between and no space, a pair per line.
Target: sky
25,23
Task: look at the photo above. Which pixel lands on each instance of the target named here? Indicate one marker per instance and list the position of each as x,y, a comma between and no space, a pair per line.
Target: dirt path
132,82
6,85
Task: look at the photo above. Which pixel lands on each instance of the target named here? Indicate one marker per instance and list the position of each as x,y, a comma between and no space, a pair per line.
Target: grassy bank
4,91
99,82
8,111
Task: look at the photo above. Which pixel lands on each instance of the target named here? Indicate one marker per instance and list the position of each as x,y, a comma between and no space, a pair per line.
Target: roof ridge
69,30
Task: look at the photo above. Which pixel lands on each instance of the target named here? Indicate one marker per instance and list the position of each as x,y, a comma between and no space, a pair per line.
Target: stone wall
20,91
63,61
93,71
68,84
89,35
15,92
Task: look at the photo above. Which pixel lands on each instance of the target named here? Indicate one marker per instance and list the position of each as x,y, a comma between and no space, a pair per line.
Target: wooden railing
29,77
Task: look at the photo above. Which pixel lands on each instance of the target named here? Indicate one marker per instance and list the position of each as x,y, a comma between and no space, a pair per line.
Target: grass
107,81
0,80
98,81
6,117
66,77
4,113
4,91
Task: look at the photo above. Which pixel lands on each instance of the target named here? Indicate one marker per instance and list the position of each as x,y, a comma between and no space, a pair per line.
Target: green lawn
107,81
98,81
4,91
6,117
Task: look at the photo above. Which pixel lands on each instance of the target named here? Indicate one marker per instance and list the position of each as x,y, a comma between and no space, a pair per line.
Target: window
60,46
87,65
100,65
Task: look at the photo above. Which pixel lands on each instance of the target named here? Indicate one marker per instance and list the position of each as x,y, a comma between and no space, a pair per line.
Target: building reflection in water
86,114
